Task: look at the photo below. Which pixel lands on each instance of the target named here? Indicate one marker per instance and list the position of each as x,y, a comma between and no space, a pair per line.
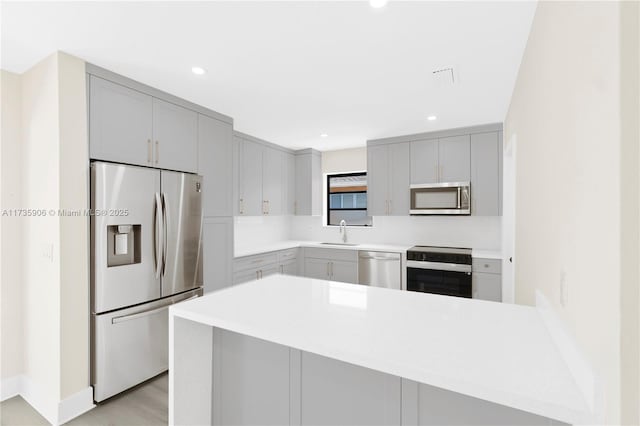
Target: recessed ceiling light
377,4
324,135
432,118
198,70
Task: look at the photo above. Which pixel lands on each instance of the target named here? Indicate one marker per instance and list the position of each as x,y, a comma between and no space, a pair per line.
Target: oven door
441,198
448,283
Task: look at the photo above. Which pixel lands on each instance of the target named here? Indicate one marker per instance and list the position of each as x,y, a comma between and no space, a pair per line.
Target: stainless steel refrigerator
146,254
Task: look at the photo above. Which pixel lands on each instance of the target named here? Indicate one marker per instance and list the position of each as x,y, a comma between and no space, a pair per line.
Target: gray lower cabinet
337,393
215,165
331,264
259,266
250,381
486,279
308,186
217,250
289,267
388,179
426,405
486,155
225,378
120,123
128,126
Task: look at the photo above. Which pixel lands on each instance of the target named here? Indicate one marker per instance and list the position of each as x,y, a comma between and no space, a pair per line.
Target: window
347,199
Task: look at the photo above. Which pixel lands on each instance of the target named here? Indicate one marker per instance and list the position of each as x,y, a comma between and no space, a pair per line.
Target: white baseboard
56,412
575,360
10,387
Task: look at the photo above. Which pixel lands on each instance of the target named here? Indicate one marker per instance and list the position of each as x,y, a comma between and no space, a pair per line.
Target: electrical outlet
564,289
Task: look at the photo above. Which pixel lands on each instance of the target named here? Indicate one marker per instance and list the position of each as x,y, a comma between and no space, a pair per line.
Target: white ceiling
289,71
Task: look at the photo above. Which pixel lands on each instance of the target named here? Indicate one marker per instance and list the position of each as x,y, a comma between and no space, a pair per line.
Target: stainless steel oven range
439,270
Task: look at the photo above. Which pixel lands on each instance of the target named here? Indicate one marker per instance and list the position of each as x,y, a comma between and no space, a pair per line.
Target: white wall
630,211
10,228
74,230
41,251
344,161
566,113
49,264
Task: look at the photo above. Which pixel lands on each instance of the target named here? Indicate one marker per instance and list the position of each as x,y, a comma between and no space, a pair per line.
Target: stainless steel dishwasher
379,269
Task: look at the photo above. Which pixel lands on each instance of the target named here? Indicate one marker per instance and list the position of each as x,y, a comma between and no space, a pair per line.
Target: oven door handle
438,266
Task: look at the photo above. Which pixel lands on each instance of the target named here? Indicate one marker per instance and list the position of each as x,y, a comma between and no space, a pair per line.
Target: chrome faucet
343,230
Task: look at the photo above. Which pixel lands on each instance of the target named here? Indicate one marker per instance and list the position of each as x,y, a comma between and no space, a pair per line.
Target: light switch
121,243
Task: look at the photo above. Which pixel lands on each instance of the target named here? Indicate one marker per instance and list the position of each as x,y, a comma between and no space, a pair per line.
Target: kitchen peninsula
293,350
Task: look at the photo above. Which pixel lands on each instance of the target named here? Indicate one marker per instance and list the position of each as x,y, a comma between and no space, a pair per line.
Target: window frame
339,175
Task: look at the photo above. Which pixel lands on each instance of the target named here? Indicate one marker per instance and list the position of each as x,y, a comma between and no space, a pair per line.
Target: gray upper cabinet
308,184
388,179
289,182
441,160
424,161
251,201
472,154
129,126
485,174
263,172
399,178
215,160
377,180
454,157
120,123
175,136
272,185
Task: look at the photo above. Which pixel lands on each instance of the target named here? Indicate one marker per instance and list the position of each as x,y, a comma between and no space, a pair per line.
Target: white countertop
497,352
283,245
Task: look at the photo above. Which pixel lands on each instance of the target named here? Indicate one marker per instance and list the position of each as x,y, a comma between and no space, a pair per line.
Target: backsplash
252,231
479,232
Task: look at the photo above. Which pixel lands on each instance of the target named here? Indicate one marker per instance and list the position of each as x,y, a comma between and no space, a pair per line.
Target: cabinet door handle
257,275
157,151
149,151
241,206
328,270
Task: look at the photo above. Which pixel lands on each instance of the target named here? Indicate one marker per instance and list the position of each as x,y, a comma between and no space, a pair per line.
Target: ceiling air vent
444,77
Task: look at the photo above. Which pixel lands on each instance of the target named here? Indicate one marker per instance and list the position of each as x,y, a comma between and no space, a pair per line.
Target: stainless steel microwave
448,198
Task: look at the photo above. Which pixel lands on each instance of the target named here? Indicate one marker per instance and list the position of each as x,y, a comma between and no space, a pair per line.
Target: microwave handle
459,197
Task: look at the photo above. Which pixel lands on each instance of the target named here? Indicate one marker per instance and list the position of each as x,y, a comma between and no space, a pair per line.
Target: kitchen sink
340,244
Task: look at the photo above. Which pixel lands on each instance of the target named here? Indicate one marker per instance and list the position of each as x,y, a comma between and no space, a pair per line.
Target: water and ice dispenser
123,244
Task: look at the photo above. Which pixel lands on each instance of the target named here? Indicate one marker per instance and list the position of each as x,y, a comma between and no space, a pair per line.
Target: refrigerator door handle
158,235
148,312
165,238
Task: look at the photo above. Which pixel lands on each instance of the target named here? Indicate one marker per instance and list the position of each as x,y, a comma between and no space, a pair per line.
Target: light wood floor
145,405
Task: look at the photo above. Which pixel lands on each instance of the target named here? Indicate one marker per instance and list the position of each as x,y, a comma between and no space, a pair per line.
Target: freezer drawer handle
146,313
